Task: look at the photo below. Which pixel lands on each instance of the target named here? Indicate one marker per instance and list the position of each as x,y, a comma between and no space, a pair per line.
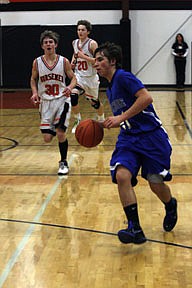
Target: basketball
89,133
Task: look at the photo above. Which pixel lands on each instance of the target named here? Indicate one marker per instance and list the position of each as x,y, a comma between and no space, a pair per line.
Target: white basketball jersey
83,67
51,81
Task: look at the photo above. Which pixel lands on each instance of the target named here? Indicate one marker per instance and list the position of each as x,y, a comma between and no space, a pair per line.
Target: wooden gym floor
61,233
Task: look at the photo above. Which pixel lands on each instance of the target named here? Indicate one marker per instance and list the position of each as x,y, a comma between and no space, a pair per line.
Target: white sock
101,117
77,116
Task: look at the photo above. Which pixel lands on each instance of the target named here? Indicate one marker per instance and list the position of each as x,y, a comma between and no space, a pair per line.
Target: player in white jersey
49,89
87,77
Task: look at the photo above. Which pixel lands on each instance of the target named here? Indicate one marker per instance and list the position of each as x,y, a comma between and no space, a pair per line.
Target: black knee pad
74,99
95,104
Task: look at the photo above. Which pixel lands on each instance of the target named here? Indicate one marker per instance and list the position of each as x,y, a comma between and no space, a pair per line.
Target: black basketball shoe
132,235
170,219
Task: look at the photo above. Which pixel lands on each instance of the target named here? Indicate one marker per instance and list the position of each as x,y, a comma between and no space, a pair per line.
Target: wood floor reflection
61,232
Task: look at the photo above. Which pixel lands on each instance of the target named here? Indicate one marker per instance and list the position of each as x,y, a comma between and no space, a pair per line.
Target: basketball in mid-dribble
89,133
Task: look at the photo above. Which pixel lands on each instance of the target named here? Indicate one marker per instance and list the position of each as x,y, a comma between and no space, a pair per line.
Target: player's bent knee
122,174
155,178
47,138
95,104
74,99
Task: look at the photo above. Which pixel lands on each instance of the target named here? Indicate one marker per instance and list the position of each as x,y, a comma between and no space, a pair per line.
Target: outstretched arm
33,83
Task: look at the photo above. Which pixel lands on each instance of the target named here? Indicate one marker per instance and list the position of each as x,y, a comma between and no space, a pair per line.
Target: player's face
104,67
49,45
82,32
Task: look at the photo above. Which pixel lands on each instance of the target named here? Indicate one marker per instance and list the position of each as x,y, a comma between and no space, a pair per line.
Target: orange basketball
89,133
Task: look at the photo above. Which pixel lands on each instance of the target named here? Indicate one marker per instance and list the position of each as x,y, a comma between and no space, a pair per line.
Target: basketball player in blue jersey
87,78
49,88
142,142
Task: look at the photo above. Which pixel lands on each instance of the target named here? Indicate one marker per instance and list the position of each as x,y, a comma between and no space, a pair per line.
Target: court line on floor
184,119
15,143
90,230
81,174
12,260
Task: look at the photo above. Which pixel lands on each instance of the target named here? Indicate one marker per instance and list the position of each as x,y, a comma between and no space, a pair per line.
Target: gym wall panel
21,46
152,35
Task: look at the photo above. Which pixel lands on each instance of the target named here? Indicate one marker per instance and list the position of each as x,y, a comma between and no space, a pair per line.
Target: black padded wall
20,46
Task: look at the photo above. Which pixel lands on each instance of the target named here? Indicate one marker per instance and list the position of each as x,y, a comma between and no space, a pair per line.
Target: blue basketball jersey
142,142
121,96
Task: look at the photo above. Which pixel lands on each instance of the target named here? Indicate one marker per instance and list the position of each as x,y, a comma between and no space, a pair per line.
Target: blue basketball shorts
149,151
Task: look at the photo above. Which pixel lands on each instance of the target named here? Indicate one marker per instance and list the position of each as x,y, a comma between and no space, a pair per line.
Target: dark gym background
20,44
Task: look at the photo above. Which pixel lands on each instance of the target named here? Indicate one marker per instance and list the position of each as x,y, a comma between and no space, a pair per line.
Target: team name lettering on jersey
51,76
117,104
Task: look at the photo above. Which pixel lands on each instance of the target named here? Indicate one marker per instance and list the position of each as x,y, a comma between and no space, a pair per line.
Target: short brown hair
50,34
86,23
